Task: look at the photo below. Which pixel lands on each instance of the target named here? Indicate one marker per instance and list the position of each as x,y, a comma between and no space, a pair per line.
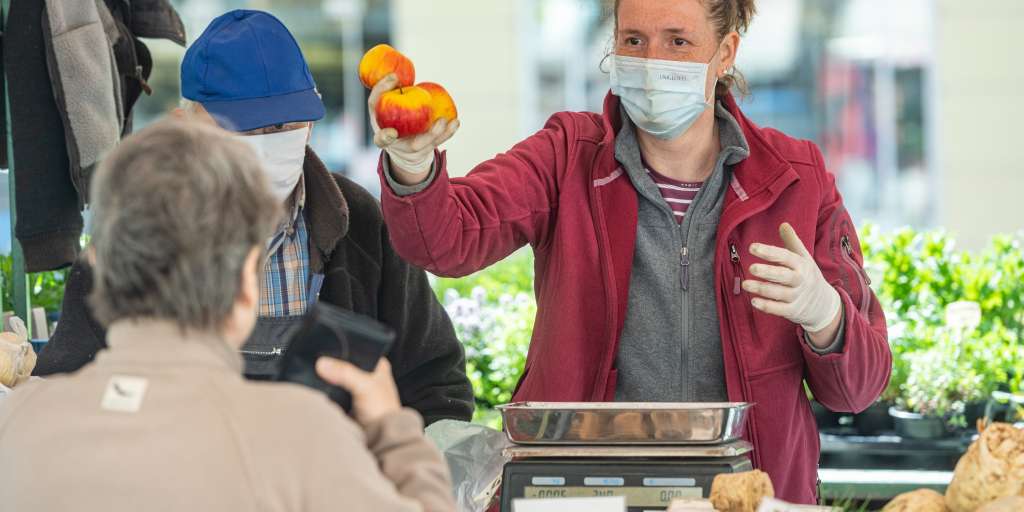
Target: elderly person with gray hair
163,419
247,74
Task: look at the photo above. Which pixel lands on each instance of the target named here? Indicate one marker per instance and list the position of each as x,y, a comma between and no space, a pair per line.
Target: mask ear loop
609,49
604,61
714,89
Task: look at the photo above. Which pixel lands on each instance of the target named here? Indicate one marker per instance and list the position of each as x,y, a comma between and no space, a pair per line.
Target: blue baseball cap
248,72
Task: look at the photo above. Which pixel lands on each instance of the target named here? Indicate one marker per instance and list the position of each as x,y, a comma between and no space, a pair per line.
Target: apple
383,60
406,109
442,105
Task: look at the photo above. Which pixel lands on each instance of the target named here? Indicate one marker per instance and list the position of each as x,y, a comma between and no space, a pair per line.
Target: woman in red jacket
682,252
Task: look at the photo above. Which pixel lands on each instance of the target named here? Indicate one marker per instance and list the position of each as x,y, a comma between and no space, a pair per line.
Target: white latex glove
413,154
794,289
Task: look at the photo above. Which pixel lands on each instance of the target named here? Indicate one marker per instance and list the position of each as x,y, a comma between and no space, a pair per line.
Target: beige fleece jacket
165,422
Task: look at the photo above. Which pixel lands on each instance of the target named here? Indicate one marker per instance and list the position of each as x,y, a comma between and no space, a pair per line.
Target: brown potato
741,492
992,468
921,500
1007,504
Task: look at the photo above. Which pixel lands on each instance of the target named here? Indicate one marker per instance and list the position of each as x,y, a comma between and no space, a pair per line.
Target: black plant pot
825,418
917,426
874,420
973,412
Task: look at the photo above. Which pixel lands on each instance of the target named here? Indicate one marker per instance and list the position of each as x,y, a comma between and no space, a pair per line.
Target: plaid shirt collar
296,203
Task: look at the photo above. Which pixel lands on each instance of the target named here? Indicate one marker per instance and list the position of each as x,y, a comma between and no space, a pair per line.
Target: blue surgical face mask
662,97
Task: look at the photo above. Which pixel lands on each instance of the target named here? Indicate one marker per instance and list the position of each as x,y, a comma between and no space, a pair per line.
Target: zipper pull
684,262
734,255
848,247
845,242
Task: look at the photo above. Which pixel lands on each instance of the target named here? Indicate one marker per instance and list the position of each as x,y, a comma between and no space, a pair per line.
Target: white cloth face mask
662,97
282,155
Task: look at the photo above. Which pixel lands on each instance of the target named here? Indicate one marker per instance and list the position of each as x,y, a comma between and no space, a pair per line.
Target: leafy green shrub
493,312
915,275
46,289
936,370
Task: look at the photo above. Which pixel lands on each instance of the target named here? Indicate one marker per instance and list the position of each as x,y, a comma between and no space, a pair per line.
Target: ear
730,47
249,289
90,255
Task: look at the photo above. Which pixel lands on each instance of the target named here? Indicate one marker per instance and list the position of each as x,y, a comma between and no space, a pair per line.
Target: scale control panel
647,485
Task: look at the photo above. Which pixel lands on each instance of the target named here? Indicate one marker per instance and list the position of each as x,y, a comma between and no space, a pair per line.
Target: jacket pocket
783,429
855,280
861,279
762,339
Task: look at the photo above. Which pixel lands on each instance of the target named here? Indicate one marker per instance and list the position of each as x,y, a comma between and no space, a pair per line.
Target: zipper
684,263
745,392
863,280
734,255
261,355
608,278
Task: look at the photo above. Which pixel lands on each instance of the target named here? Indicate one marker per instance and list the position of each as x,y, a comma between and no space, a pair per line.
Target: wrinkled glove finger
425,141
778,255
448,133
386,84
775,274
770,291
791,241
771,307
385,138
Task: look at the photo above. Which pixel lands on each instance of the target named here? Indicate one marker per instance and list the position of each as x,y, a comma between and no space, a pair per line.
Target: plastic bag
475,459
17,357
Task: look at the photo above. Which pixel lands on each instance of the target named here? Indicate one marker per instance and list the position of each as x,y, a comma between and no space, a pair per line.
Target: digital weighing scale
648,477
650,454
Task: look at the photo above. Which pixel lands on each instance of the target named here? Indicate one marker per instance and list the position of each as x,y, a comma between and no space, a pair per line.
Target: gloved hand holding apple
409,121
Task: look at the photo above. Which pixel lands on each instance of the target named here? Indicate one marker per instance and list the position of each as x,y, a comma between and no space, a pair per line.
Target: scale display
645,484
636,496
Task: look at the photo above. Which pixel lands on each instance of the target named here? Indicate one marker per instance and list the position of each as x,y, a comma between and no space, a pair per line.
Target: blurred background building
914,102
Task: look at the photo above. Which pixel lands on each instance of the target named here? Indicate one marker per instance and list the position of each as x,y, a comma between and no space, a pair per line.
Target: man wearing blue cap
247,74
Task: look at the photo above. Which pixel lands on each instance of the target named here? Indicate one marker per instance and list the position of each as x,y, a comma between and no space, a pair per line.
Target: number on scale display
635,496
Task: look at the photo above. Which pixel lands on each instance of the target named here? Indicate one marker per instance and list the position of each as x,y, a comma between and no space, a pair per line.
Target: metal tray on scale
621,423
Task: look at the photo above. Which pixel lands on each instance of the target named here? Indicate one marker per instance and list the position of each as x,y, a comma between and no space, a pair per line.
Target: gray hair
177,208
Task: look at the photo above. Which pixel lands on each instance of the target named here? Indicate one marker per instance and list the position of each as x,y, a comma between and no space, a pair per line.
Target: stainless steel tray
624,423
575,451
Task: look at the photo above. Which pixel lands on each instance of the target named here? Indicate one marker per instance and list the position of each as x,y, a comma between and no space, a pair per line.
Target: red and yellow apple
406,109
442,105
383,60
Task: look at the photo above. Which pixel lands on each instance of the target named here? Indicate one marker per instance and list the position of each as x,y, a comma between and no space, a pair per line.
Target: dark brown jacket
349,244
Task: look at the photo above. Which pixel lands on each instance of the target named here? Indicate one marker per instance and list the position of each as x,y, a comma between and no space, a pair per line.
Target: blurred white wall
475,49
980,105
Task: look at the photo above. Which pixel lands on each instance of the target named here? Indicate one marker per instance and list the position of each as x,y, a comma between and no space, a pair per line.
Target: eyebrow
670,31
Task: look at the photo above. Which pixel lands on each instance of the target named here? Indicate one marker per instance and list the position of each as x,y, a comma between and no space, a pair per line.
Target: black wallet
330,331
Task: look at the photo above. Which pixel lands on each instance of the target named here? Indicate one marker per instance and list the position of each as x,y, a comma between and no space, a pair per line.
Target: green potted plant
917,275
962,368
934,396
